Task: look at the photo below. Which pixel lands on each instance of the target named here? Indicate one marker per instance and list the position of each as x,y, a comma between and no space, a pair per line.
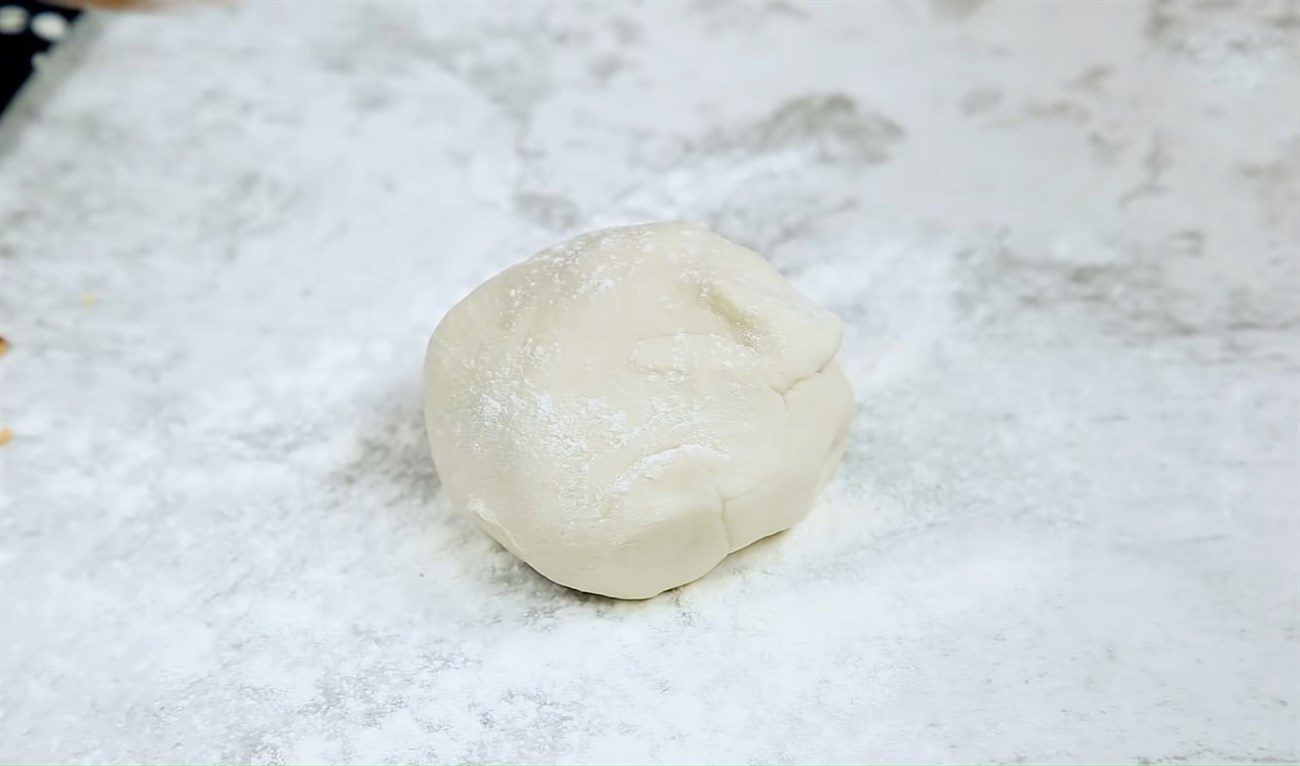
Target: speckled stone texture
1063,238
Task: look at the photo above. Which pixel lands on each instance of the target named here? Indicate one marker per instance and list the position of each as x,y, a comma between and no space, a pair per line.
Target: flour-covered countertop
1063,239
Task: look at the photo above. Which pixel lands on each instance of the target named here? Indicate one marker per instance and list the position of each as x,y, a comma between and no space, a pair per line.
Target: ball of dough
623,410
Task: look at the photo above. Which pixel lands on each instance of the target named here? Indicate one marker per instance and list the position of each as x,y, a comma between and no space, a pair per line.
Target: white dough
623,410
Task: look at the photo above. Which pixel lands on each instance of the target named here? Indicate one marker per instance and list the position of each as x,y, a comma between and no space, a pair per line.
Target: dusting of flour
1065,526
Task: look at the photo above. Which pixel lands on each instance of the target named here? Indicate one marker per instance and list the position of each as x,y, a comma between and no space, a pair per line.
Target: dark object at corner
28,28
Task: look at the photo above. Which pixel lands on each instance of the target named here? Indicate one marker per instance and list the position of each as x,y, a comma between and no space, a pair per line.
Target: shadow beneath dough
393,470
393,453
395,467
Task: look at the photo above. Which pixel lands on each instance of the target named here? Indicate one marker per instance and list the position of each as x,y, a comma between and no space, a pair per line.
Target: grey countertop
1063,238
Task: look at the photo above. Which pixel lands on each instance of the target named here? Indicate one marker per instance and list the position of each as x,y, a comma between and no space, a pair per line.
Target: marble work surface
1063,238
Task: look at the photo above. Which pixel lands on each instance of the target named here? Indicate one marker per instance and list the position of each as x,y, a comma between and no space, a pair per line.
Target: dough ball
623,410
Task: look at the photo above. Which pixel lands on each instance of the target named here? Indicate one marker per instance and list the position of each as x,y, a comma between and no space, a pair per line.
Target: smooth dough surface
623,410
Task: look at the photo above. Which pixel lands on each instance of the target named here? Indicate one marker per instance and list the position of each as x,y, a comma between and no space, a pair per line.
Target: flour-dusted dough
623,410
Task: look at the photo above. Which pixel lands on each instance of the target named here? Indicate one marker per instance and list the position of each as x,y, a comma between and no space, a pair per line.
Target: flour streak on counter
1066,524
